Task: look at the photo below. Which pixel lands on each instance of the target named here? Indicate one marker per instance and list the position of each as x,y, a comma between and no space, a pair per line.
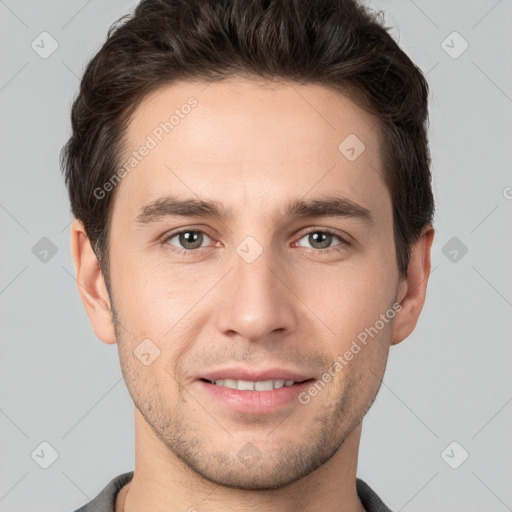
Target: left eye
322,239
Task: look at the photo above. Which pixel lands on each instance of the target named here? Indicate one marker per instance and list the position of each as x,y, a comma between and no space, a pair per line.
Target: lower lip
255,402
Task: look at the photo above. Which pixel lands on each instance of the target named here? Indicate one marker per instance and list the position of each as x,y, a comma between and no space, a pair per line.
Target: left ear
413,288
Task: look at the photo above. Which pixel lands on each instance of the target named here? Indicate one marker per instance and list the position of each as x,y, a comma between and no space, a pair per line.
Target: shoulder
369,498
106,499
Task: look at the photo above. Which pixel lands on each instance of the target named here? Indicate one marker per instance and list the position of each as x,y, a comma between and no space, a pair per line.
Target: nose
257,299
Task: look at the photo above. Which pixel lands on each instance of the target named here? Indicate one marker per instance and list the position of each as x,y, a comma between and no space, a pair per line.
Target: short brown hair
336,43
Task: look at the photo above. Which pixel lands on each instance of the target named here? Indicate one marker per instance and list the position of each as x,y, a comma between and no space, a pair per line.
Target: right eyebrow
190,207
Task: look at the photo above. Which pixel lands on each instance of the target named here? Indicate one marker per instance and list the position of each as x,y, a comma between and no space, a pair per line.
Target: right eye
189,239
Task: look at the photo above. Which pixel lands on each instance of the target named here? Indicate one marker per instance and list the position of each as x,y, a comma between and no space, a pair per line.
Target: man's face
249,292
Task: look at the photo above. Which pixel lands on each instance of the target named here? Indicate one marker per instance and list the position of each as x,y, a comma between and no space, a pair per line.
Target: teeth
247,385
228,383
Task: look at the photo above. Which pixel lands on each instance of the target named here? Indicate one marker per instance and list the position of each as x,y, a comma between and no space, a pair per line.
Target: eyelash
322,252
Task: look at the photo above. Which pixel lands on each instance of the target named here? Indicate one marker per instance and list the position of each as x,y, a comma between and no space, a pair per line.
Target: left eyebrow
327,206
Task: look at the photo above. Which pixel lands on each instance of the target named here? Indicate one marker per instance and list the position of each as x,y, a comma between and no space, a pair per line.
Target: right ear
91,284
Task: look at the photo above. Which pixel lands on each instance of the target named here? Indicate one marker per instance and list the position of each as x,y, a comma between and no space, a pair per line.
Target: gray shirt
106,499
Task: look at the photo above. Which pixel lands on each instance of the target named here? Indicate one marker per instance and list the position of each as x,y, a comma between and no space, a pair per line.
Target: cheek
364,286
350,299
163,304
140,287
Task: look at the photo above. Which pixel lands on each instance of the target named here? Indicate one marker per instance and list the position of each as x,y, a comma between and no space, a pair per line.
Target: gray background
449,381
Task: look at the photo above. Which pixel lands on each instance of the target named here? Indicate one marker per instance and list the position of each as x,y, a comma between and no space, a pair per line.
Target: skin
253,146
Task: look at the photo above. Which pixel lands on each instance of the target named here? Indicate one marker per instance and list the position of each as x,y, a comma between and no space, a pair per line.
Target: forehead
236,140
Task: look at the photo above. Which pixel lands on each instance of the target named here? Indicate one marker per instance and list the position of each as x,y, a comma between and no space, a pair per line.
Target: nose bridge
256,300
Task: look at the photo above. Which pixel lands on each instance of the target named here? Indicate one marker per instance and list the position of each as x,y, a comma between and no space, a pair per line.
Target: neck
161,482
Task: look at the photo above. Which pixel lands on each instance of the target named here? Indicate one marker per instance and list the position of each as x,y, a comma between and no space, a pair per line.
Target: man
252,194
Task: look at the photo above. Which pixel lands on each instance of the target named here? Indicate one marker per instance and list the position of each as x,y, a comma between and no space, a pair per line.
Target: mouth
253,397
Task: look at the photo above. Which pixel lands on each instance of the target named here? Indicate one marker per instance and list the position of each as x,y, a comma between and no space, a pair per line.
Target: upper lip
239,373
